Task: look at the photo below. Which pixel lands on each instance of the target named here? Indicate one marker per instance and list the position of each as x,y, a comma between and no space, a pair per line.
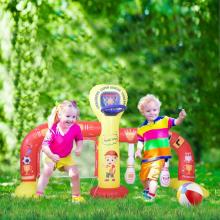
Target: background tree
60,50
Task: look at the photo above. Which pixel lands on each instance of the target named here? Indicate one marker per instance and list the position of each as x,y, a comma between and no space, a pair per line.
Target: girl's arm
52,156
48,139
79,145
181,117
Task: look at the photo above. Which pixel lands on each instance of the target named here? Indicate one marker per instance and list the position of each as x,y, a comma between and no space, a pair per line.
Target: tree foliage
60,50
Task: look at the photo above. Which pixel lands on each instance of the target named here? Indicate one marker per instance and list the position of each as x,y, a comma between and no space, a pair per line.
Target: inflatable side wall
186,166
30,154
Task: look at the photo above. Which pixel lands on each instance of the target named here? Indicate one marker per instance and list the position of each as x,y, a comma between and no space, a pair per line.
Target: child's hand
55,158
138,153
182,114
78,151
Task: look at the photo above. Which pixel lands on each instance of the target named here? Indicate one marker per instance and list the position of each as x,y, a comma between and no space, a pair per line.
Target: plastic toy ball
189,194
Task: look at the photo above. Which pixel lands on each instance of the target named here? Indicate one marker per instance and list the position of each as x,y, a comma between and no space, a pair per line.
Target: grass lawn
57,203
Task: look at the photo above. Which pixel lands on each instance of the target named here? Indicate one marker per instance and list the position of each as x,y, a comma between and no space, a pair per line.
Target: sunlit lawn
57,203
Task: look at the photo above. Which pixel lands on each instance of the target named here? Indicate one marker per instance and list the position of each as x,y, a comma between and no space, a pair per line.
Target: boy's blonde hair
53,117
145,100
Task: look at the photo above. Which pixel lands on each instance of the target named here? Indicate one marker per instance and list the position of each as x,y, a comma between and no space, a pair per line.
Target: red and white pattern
190,194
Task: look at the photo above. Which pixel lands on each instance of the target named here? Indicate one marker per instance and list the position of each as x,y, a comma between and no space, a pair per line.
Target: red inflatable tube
31,147
186,166
30,153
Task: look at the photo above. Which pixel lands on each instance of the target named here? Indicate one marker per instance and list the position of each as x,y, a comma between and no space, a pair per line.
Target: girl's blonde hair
53,117
145,100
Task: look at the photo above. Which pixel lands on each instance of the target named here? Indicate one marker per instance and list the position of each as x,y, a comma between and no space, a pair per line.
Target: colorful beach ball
189,194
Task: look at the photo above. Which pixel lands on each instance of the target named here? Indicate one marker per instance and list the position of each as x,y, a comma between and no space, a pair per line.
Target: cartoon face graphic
188,157
111,158
110,165
165,180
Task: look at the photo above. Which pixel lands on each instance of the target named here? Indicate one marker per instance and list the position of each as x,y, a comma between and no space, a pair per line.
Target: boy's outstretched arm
181,117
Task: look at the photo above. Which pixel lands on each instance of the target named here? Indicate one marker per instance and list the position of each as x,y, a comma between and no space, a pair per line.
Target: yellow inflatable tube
108,103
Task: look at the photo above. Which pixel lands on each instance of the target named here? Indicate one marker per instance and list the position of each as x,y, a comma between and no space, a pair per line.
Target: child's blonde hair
145,100
53,117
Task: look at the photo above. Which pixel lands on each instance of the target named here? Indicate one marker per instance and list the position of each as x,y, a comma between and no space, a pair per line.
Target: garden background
56,50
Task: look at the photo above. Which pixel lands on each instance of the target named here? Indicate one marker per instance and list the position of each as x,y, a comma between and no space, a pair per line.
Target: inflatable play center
108,102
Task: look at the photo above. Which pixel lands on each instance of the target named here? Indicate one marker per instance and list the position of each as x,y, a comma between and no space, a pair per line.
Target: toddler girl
58,144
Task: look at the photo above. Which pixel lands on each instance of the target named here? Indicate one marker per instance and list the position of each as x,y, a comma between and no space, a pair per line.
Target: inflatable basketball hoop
108,103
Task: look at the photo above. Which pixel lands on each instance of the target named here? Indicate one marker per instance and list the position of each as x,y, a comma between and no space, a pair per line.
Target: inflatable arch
31,148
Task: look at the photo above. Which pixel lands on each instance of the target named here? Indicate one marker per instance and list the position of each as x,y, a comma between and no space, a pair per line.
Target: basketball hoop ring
112,110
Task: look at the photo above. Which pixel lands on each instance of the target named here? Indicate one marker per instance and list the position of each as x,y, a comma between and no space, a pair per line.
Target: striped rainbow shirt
155,137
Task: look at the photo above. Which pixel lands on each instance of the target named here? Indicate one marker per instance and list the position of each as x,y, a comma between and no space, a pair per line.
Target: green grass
57,203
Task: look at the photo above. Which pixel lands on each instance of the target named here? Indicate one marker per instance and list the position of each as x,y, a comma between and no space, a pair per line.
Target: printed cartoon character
27,165
110,160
